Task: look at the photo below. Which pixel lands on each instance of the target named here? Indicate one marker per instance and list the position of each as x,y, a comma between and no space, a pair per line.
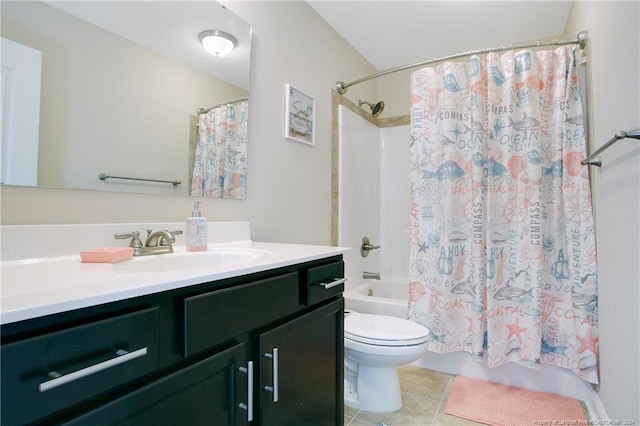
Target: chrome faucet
158,242
161,238
371,275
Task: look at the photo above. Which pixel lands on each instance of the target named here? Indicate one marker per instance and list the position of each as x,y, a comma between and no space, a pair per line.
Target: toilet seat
381,330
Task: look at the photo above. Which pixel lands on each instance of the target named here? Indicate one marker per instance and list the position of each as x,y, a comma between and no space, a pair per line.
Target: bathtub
384,297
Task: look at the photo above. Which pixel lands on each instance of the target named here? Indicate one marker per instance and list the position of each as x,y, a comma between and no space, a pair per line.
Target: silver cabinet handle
334,283
274,388
249,405
122,356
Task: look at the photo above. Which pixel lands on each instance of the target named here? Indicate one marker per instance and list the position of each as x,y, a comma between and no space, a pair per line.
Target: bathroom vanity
260,342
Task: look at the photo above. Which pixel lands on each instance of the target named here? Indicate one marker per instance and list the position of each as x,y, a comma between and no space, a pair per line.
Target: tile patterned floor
424,394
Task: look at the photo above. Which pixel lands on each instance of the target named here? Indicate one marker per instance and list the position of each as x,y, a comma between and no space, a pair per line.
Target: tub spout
371,275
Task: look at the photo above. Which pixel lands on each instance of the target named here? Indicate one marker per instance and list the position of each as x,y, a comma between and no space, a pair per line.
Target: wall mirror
121,83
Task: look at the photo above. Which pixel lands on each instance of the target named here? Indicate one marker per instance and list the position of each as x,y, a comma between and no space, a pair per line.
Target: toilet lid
384,330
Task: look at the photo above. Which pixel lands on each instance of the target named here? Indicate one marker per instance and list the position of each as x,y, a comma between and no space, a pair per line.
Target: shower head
376,109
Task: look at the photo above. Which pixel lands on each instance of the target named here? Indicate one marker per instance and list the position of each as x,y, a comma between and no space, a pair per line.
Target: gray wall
614,65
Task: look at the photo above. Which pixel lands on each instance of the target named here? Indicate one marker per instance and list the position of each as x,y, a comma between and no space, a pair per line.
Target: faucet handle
164,242
366,247
135,238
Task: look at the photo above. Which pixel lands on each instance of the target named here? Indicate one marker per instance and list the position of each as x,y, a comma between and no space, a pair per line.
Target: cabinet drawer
205,393
44,374
324,282
214,317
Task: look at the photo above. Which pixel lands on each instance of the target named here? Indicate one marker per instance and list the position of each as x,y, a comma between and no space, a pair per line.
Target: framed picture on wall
299,116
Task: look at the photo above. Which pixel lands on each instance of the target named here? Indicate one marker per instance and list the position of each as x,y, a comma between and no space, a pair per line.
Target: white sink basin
217,257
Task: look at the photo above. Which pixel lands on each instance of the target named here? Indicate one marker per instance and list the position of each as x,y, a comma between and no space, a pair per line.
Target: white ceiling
395,33
171,28
387,33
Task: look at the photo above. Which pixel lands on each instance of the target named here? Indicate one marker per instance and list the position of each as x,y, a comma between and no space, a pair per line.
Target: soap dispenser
196,230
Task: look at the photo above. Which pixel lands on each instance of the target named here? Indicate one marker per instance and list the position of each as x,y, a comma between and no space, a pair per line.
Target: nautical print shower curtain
502,252
220,166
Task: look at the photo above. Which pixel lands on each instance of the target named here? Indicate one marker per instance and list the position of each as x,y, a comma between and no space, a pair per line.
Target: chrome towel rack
105,176
593,161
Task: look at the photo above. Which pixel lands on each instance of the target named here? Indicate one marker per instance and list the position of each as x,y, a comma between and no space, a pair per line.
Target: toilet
374,347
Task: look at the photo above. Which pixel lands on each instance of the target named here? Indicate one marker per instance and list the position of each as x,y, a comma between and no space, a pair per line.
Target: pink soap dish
106,254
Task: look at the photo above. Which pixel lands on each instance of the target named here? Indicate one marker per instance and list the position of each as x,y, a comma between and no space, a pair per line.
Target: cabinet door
208,392
301,371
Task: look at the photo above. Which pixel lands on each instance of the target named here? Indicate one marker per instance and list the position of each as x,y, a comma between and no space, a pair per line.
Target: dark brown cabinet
204,393
301,380
47,373
261,349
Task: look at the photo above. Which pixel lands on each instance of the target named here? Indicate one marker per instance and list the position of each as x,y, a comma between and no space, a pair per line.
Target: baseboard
594,407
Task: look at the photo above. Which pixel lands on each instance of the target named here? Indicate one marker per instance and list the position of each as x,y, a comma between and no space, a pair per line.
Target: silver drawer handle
249,405
334,283
273,388
122,356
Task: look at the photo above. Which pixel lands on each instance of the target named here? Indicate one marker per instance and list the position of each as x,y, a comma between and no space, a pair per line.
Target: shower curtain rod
592,160
581,40
233,101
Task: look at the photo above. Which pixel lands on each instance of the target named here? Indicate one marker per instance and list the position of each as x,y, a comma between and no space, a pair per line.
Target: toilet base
377,390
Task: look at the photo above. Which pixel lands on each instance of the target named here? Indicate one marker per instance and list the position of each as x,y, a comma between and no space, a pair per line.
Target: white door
20,87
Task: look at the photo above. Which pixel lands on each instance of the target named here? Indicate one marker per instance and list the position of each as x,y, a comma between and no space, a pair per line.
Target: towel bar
592,160
105,176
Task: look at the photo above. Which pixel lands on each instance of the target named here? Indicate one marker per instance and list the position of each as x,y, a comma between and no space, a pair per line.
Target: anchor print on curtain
502,250
220,166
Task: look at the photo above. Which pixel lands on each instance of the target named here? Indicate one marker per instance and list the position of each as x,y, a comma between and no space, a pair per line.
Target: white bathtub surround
42,272
359,163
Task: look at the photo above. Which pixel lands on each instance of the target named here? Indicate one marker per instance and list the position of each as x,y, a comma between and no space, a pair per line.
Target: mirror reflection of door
20,87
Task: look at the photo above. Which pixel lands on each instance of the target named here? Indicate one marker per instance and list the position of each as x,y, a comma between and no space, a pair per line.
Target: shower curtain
502,252
220,166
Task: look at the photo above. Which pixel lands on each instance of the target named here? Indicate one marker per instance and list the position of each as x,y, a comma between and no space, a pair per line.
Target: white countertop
36,287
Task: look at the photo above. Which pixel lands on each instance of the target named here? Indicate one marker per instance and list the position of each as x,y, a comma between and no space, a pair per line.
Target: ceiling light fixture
217,43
